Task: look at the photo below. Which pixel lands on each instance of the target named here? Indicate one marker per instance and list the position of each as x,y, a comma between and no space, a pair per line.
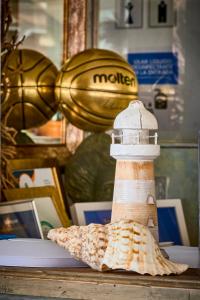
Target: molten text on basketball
114,78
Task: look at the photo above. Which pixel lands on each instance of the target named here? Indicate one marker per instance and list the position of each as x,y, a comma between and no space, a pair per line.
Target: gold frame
74,41
27,164
60,153
17,164
94,31
38,192
74,27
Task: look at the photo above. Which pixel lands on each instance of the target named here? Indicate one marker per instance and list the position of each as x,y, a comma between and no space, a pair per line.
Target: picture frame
47,203
162,13
90,212
129,14
30,173
19,219
181,171
171,220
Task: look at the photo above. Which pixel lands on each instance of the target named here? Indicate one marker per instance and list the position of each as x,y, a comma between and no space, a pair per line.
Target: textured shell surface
131,246
86,243
121,245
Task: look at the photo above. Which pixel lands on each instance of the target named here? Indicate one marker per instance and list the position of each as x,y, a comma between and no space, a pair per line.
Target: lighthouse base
134,194
137,212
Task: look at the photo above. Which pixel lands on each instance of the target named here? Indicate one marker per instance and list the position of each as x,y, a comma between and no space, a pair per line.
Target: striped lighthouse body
134,186
134,193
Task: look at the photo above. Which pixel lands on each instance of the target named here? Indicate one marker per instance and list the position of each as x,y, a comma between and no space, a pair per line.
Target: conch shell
122,245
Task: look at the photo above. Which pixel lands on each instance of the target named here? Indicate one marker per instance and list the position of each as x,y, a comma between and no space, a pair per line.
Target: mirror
41,23
57,29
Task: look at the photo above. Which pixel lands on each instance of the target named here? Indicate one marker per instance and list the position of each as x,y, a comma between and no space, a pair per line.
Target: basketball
28,98
93,87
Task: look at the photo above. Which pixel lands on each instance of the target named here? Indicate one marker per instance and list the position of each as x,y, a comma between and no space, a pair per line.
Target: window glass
161,40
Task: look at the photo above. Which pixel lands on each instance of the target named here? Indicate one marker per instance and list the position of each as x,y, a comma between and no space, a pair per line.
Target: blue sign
155,67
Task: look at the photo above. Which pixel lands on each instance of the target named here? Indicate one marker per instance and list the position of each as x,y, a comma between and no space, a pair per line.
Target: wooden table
84,283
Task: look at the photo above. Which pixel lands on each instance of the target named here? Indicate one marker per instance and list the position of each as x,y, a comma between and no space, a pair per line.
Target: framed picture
181,172
91,212
171,220
31,173
19,220
129,13
162,13
46,203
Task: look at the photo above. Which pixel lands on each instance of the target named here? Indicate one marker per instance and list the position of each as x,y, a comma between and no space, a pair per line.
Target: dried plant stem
7,134
7,152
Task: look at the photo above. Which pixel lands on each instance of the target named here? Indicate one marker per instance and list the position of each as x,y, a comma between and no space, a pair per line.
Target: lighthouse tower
134,146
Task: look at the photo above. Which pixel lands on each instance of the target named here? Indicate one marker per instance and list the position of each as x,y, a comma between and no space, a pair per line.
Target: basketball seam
84,118
95,69
42,98
22,106
29,69
38,62
83,108
44,70
38,108
23,113
90,61
74,78
97,90
87,111
29,86
62,75
46,103
101,91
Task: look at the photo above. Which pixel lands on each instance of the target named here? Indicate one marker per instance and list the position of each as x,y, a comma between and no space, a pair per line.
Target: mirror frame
74,41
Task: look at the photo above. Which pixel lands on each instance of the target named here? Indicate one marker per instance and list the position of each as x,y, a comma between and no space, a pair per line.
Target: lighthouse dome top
135,116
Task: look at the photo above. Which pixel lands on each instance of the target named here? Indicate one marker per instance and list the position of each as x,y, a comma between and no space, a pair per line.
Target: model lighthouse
134,146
